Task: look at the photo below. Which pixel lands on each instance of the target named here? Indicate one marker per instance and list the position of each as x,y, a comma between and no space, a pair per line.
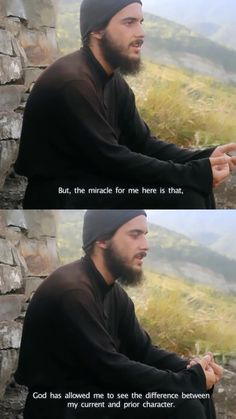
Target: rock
37,13
12,404
15,8
10,97
224,396
10,125
10,335
19,261
11,306
2,9
8,153
40,256
10,278
31,285
40,46
232,364
16,219
13,25
8,364
3,224
5,42
10,69
40,13
31,75
227,193
2,21
40,223
19,52
12,192
5,252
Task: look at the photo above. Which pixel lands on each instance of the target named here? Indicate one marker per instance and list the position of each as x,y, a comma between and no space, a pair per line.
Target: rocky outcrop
226,194
27,46
28,254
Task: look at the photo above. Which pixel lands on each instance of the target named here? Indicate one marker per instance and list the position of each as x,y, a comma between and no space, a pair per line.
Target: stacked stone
28,254
27,46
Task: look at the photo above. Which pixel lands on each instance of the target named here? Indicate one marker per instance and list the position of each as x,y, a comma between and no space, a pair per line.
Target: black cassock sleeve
92,346
141,159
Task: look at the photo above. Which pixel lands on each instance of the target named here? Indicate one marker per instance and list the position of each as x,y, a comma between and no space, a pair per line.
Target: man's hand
208,371
218,370
220,169
226,150
213,372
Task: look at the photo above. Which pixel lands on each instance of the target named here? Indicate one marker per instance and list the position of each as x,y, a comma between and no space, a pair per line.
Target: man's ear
102,244
97,34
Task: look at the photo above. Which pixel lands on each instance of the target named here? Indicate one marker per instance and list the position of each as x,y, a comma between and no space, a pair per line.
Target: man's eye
134,234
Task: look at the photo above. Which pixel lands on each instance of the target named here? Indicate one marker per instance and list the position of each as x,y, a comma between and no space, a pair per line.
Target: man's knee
191,409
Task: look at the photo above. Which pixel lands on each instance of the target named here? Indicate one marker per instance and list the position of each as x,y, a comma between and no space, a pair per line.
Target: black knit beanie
99,223
95,13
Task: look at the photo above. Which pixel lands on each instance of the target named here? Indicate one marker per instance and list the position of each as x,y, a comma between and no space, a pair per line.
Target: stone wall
28,254
27,46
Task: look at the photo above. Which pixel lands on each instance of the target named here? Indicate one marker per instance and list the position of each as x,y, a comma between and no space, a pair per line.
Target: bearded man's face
126,250
123,38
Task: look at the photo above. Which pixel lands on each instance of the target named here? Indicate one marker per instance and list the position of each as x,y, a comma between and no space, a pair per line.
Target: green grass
188,319
184,108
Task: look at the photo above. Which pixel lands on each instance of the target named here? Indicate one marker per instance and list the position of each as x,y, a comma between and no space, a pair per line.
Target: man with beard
83,143
81,336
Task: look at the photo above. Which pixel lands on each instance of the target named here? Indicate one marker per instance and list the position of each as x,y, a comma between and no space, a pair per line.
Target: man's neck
101,267
99,57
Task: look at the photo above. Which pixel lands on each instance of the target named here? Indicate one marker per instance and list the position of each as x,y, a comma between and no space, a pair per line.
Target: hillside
210,18
186,318
166,42
225,35
185,108
214,229
189,259
171,43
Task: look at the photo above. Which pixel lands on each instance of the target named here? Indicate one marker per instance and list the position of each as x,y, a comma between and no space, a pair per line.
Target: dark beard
116,59
119,270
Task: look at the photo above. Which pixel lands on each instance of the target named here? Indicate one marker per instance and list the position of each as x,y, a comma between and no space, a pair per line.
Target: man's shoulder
66,278
66,69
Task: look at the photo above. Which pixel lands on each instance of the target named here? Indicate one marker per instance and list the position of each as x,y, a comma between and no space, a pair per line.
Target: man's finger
205,361
227,148
232,160
218,160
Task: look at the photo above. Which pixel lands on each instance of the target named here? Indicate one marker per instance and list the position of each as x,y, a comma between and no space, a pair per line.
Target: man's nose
144,244
140,31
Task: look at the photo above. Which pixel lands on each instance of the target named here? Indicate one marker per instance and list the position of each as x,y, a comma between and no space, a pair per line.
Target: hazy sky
186,222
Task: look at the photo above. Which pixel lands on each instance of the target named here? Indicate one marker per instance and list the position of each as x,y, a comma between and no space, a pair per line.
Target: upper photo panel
117,104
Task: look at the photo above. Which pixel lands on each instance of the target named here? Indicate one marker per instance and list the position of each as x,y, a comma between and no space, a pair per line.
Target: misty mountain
187,12
176,255
215,229
170,43
213,19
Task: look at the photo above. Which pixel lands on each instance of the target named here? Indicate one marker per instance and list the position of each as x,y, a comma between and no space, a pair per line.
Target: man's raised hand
227,150
220,169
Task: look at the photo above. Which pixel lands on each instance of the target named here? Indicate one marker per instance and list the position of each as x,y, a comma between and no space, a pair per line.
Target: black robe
81,129
82,335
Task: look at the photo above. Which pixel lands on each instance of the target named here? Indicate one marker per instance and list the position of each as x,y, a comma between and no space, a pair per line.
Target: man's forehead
133,10
136,223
